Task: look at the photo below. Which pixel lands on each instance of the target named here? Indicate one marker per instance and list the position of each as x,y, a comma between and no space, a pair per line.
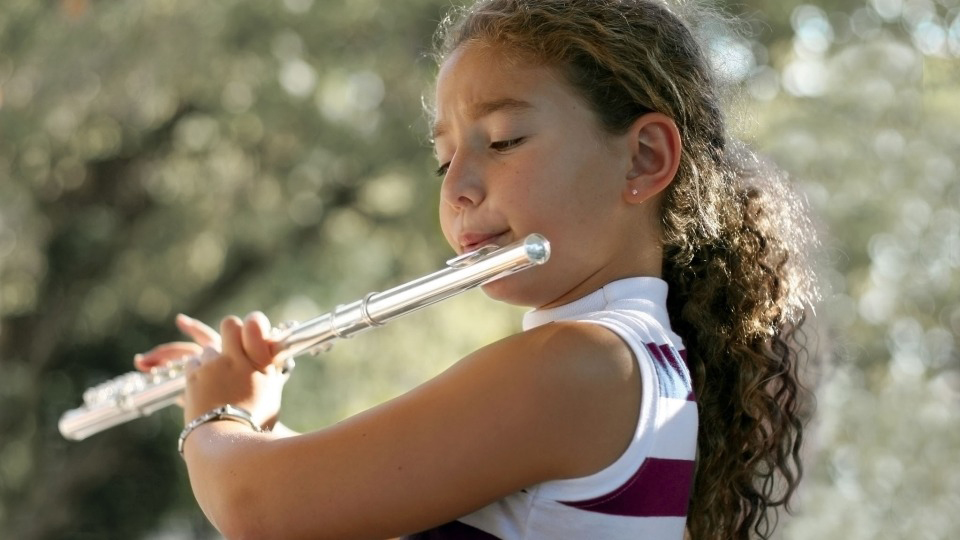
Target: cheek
560,186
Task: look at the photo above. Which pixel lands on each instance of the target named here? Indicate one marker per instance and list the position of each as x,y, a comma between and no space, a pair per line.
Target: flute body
137,394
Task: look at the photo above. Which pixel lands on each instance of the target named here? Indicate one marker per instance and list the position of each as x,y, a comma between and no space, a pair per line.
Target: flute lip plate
467,259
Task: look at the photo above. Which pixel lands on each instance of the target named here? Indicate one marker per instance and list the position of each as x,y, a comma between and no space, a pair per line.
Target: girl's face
521,153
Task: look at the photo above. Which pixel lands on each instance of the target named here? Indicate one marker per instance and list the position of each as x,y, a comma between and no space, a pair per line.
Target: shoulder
580,353
579,383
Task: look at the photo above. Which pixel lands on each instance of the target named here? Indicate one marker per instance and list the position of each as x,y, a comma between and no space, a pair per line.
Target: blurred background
168,156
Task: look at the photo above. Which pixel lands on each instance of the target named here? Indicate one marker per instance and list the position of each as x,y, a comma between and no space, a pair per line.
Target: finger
200,332
256,328
231,334
163,354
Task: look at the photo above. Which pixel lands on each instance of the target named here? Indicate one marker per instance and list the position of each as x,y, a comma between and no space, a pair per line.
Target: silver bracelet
225,412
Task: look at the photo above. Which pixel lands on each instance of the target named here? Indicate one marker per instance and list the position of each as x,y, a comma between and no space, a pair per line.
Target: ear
654,156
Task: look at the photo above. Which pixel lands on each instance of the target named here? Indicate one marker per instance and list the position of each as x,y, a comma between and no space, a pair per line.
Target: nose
463,184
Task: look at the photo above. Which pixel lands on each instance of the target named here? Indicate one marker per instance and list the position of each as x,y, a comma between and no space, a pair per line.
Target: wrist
223,412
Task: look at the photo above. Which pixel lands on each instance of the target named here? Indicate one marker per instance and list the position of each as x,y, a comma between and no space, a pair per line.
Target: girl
597,124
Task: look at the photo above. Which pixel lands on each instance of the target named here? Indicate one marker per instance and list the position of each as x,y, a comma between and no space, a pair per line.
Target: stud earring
634,192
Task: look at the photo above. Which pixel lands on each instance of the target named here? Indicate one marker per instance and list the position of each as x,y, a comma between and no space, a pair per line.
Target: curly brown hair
734,236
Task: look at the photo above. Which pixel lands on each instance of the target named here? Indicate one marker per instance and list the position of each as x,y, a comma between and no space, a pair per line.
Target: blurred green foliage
164,156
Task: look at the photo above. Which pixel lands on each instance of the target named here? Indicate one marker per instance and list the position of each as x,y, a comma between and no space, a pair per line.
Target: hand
244,374
161,355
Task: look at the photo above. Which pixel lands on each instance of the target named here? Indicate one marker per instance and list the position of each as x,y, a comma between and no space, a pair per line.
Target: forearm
263,485
226,465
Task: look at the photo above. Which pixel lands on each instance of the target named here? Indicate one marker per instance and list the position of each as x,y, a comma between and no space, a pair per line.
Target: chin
511,290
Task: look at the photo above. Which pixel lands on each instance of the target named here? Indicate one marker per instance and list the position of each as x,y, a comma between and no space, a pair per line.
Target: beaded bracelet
225,412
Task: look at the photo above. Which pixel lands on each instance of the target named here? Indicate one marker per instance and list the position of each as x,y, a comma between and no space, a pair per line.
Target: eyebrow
485,108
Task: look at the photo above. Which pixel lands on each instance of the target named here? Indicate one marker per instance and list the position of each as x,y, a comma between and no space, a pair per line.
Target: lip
472,241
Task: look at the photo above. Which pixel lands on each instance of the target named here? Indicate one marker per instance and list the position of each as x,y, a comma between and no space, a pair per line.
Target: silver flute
136,394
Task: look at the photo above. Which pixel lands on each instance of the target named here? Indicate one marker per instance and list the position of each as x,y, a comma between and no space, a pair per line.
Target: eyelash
499,146
506,145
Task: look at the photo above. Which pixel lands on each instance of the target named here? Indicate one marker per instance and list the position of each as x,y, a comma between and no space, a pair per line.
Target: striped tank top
645,493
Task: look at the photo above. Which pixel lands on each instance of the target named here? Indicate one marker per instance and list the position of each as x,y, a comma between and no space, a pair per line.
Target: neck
646,262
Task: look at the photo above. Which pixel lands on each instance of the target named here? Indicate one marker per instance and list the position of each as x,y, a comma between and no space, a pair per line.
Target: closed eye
501,146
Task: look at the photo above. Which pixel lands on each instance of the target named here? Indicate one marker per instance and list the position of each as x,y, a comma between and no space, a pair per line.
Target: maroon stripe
674,378
657,354
672,359
678,359
452,531
661,487
663,371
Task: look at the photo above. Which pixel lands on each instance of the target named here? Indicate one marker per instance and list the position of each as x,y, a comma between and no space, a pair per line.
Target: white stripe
512,518
574,524
676,436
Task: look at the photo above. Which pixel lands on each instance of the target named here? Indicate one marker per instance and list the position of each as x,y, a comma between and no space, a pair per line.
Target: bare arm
556,402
